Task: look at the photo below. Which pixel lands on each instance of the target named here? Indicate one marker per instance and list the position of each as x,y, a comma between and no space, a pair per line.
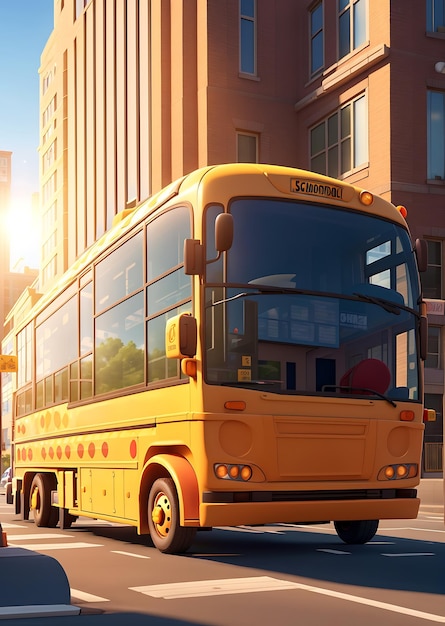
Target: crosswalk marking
39,536
86,597
201,588
55,546
6,525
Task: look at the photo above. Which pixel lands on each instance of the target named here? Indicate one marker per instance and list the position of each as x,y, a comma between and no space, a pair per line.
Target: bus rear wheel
360,531
163,519
43,512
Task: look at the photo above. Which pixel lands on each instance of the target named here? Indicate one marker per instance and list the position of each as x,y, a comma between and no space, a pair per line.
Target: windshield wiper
359,390
390,307
266,290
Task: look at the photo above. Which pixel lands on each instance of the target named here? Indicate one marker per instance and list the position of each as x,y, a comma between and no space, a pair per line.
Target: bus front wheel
360,531
44,513
163,519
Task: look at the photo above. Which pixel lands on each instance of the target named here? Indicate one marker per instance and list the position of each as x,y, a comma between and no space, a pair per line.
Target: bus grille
308,496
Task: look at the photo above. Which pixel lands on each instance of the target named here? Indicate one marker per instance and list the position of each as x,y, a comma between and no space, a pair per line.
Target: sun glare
24,234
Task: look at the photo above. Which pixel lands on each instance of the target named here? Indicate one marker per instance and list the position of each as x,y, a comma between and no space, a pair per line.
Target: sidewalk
430,492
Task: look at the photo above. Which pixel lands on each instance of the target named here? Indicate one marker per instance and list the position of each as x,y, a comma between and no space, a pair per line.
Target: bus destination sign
311,188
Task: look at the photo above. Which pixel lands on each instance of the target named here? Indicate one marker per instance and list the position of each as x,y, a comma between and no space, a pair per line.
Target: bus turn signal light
228,471
235,405
398,471
402,210
366,198
406,416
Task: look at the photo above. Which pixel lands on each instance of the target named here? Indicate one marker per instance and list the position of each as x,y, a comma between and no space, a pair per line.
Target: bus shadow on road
385,562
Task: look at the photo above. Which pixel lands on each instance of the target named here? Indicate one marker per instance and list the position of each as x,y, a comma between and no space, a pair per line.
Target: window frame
432,23
433,359
437,284
350,9
249,47
435,134
255,136
313,36
341,138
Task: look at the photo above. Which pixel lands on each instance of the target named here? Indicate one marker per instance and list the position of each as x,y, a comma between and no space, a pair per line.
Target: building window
436,135
316,36
80,5
351,25
340,143
248,36
433,358
432,278
435,16
247,148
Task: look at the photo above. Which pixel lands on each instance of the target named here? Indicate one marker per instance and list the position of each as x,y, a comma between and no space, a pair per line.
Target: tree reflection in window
119,354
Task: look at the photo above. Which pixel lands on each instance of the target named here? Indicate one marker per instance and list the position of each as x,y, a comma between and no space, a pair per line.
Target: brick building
135,94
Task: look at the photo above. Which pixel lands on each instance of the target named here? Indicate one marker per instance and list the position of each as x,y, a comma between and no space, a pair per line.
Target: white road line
55,546
394,608
410,554
420,530
199,588
86,597
37,536
332,551
6,525
137,556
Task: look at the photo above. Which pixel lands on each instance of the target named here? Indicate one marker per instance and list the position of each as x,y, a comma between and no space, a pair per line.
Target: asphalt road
286,574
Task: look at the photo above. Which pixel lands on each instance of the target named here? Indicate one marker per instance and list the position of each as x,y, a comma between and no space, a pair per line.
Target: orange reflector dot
246,472
221,471
402,471
389,472
366,198
412,471
402,210
406,416
234,471
235,405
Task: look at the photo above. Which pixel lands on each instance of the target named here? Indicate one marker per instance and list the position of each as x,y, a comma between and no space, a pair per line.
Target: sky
25,26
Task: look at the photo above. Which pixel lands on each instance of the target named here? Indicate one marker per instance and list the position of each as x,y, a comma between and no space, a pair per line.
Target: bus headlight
228,471
398,471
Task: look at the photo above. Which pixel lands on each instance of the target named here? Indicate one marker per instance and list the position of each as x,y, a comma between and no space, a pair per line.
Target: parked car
6,477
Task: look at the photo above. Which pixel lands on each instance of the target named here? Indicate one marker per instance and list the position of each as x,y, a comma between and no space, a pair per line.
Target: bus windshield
312,299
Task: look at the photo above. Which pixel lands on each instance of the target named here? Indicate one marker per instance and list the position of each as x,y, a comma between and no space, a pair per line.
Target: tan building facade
135,94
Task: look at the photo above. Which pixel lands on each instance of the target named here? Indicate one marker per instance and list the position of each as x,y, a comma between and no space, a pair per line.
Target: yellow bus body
311,458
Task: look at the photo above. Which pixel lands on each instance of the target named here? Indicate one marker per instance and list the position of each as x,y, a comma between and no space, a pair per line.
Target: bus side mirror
421,249
223,232
181,336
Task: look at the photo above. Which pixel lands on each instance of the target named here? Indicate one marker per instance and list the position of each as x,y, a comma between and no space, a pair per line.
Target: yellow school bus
245,347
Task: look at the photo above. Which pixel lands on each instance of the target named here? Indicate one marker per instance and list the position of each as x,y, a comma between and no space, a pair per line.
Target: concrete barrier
32,584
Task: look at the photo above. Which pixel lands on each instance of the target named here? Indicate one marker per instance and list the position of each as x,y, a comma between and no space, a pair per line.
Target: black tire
163,519
360,531
40,500
9,497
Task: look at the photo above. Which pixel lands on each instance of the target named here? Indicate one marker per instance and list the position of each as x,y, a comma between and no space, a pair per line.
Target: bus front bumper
241,513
